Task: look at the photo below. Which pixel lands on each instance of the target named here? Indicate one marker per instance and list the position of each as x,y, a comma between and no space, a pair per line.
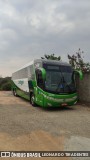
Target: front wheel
32,100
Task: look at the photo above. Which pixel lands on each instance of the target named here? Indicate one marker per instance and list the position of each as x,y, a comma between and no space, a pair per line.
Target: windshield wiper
62,82
59,85
63,85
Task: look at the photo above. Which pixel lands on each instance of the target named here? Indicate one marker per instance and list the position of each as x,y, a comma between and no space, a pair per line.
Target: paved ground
23,127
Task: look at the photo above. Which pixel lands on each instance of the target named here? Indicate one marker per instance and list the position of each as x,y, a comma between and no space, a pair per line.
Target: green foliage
77,61
5,83
51,57
6,86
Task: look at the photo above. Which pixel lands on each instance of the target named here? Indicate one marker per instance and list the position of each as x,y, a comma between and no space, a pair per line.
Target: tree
77,61
51,57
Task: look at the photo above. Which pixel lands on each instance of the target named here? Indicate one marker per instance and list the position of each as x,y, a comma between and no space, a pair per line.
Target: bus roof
55,62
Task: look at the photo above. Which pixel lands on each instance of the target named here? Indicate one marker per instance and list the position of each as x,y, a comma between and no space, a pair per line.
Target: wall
83,88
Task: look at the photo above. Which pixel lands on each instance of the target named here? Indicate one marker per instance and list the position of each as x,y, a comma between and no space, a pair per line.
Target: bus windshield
59,79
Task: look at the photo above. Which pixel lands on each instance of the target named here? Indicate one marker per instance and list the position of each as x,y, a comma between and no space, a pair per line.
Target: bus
47,83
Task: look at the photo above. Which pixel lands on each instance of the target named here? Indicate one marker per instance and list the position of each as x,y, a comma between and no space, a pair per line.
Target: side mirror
43,71
79,73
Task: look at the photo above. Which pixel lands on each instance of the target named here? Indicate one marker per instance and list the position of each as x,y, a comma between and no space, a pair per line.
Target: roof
55,62
45,61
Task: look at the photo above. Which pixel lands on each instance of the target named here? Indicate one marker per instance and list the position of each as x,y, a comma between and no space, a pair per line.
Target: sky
31,28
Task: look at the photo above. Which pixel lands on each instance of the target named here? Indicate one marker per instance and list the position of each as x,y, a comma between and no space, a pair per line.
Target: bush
5,84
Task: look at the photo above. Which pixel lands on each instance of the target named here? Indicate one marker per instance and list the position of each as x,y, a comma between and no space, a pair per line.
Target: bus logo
21,82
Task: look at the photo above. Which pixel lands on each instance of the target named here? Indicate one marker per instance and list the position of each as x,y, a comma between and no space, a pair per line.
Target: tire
32,100
14,92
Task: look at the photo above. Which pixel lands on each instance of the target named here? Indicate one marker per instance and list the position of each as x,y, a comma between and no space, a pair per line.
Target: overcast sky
31,28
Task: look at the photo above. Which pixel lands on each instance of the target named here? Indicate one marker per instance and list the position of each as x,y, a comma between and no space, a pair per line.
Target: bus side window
39,79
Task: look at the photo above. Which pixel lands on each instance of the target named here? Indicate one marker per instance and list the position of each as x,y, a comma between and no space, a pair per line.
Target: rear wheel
32,100
14,92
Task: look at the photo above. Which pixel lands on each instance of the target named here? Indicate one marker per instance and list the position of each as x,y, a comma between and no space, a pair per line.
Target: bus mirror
43,73
79,73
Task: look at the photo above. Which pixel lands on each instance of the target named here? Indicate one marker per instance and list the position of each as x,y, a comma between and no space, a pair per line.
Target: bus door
40,87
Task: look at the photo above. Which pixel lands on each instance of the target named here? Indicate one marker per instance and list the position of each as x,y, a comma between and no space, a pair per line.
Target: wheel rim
32,100
15,93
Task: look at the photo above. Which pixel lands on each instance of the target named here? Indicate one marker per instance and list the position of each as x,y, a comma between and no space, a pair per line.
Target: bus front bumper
57,102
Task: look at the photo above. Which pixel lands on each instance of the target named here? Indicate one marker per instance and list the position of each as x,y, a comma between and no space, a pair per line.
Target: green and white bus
47,83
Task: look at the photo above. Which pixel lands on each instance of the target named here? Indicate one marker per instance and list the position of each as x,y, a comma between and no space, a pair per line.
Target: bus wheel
14,92
32,100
